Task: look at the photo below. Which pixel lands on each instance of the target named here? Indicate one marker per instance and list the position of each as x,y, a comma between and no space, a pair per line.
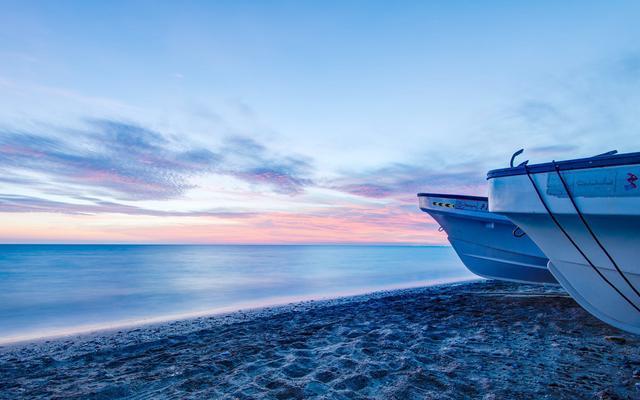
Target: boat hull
485,242
610,204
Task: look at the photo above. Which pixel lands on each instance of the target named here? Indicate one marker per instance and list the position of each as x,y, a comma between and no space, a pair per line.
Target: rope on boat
555,220
516,230
593,235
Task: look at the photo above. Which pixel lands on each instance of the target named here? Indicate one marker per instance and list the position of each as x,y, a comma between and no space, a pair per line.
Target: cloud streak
130,162
402,180
21,204
250,161
341,224
110,170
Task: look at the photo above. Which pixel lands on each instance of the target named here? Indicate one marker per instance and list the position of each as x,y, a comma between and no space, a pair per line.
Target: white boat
584,215
488,244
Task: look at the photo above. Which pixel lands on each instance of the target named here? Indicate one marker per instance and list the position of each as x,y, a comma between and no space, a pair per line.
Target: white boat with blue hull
585,216
488,244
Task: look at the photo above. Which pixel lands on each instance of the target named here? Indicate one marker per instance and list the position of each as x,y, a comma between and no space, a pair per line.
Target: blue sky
293,121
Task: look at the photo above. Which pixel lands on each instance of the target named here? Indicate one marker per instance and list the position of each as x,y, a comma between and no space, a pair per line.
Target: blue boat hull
485,242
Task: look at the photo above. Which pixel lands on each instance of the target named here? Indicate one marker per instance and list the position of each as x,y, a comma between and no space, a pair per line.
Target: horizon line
224,244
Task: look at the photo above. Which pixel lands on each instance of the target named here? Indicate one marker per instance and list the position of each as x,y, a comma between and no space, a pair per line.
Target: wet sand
485,340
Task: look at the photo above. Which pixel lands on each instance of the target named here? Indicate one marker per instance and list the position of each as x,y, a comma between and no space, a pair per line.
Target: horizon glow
293,123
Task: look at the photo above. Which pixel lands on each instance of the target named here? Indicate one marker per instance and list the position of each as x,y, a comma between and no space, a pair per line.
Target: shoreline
275,303
479,339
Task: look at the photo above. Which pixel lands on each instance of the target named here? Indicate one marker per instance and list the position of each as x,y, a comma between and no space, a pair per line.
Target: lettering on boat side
471,205
603,182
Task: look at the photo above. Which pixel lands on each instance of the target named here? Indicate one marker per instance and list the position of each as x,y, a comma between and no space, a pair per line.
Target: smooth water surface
48,289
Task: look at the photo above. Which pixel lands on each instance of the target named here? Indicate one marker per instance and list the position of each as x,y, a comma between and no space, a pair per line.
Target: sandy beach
483,339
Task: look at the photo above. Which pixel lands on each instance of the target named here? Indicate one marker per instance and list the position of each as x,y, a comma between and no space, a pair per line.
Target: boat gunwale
454,196
484,216
578,163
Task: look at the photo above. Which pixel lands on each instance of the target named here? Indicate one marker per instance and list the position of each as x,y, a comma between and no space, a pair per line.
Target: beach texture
485,340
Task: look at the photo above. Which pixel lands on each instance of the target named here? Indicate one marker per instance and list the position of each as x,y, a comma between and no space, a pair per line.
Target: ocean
48,290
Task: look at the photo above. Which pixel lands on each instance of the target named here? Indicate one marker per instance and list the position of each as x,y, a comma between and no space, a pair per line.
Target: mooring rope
555,220
593,235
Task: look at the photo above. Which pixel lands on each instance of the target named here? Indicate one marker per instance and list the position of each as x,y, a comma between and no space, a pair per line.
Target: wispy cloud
130,162
405,180
20,204
592,111
252,162
112,169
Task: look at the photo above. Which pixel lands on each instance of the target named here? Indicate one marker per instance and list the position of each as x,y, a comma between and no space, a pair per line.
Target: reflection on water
44,288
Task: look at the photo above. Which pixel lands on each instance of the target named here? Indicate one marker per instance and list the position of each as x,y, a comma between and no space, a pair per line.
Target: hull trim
453,196
603,160
493,263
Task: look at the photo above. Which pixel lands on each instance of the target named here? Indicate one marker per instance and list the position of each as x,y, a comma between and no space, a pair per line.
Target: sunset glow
241,123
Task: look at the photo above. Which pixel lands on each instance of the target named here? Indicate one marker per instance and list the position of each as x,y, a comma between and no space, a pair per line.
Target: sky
293,122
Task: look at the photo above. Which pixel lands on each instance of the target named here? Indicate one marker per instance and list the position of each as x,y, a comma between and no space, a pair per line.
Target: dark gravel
484,340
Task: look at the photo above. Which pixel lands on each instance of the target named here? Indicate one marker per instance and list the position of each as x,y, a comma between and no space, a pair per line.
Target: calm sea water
51,289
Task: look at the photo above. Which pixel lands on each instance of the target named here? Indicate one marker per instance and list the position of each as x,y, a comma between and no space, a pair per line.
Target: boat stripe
555,220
